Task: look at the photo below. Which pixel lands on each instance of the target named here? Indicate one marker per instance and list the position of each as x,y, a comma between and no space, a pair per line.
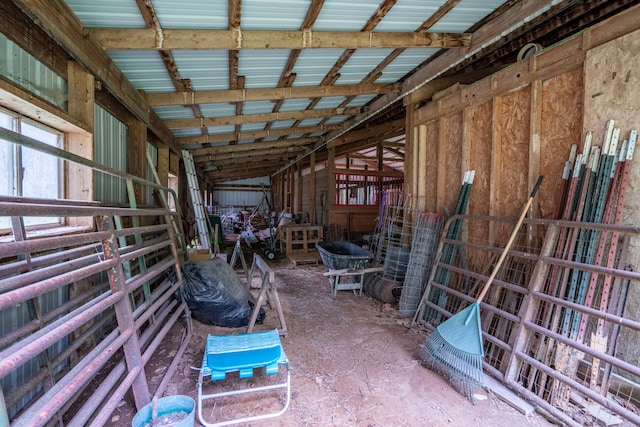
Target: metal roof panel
107,14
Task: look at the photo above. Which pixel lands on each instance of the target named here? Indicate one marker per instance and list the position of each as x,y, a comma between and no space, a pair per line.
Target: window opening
28,172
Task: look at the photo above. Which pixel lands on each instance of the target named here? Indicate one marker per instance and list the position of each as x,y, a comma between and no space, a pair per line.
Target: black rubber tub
337,255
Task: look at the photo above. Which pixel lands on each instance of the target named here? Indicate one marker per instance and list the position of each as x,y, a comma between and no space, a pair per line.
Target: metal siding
310,122
360,65
257,107
26,71
338,15
296,104
250,127
186,132
110,149
144,69
220,130
273,14
330,102
241,199
262,69
313,65
172,112
202,14
107,14
10,320
465,15
404,63
408,15
360,100
207,70
282,124
219,109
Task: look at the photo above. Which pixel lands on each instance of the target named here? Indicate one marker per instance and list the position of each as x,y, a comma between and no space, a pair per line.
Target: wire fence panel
556,327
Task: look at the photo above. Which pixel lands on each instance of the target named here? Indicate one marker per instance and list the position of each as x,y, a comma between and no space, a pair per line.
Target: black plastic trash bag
215,295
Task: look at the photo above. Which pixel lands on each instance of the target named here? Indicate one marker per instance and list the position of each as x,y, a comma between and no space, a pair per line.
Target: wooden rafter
212,96
228,137
132,39
261,117
201,154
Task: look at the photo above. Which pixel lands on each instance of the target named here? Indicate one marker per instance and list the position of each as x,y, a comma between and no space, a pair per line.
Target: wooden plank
304,258
496,162
561,120
479,132
535,134
236,95
313,188
259,118
509,396
236,39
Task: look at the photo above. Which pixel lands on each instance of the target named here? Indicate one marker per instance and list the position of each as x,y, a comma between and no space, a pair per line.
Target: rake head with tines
456,352
455,348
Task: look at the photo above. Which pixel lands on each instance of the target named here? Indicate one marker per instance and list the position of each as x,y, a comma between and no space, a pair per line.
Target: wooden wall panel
561,127
478,124
478,127
513,182
612,79
451,162
430,163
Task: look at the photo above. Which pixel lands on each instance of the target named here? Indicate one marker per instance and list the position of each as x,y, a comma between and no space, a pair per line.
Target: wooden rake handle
514,233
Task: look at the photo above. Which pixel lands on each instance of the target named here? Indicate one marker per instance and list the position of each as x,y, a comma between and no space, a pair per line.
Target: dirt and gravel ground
354,360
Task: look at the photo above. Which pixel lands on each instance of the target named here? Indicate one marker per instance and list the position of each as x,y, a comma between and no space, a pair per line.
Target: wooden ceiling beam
259,159
231,173
235,39
213,151
214,96
259,118
228,137
257,152
380,131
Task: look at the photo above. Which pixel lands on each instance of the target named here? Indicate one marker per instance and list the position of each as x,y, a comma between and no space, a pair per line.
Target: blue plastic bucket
167,406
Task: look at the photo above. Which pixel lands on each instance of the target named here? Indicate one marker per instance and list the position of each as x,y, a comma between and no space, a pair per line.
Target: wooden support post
312,190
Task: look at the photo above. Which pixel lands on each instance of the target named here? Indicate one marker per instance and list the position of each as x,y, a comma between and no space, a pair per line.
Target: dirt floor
354,362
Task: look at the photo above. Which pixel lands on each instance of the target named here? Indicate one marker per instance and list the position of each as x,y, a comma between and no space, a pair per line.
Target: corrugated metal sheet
112,13
273,14
209,14
26,71
465,14
262,68
208,70
241,198
257,107
339,15
408,15
144,69
313,65
10,320
110,142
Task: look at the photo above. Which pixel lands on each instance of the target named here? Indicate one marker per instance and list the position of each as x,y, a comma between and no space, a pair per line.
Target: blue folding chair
243,353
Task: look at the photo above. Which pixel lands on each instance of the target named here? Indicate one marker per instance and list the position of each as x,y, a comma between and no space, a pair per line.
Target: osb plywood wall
612,91
510,128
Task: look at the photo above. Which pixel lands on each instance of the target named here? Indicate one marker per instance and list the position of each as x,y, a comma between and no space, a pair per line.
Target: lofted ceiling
251,87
